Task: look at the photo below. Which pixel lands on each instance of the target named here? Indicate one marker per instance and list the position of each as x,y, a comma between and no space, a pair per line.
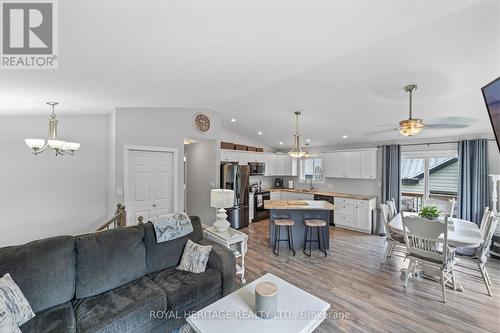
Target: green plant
429,212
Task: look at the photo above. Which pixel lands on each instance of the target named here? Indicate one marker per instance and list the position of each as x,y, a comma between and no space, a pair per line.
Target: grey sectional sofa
113,281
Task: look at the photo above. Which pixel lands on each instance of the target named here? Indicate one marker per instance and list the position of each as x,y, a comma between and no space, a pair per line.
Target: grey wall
160,127
46,195
202,176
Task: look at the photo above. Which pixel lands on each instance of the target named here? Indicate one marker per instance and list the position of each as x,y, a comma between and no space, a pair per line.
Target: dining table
461,233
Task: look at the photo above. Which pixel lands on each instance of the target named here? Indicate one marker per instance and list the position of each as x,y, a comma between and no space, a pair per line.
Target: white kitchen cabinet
339,165
277,165
300,196
358,164
245,158
354,214
327,164
267,159
290,166
229,156
369,164
352,164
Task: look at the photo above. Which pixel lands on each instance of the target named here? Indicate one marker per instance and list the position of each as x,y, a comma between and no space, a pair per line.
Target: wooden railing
118,220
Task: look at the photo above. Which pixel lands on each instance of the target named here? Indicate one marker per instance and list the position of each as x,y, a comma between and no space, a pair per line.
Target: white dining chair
446,207
486,215
395,242
426,248
482,252
392,208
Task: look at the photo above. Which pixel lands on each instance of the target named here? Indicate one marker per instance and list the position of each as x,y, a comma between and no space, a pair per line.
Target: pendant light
296,151
60,147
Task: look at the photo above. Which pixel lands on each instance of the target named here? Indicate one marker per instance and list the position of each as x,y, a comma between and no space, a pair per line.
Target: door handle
154,205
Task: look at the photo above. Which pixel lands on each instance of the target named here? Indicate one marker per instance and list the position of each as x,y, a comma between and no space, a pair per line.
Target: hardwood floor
354,282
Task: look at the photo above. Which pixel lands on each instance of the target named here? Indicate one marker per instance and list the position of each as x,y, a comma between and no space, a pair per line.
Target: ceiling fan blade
438,126
381,132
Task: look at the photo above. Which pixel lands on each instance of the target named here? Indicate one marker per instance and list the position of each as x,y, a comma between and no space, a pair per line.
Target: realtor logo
29,34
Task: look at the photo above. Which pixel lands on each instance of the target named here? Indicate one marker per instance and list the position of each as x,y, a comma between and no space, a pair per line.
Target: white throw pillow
7,322
13,302
195,257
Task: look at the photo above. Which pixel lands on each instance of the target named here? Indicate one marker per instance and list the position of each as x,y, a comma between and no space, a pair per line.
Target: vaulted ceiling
342,63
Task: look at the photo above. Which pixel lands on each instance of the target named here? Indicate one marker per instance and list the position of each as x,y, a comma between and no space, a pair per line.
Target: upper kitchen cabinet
230,156
369,164
283,165
358,164
290,166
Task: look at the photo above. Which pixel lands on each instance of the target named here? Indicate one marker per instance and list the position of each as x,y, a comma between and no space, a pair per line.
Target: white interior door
150,187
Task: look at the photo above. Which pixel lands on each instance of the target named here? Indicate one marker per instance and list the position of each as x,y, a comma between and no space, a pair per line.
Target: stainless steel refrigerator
236,177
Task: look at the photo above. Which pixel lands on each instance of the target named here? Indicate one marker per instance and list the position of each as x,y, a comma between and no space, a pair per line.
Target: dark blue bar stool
278,223
310,225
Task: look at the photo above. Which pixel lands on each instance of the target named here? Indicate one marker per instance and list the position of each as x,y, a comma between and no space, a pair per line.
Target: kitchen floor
370,296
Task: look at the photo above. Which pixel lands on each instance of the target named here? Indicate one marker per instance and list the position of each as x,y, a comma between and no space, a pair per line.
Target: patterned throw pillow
195,257
7,322
13,302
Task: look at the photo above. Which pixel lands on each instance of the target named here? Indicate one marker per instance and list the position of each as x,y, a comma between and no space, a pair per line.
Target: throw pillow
195,257
7,322
13,301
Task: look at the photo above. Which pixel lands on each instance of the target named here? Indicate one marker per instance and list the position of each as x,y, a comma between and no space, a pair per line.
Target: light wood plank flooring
353,280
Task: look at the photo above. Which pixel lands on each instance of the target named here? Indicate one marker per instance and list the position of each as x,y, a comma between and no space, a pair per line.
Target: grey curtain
473,191
391,173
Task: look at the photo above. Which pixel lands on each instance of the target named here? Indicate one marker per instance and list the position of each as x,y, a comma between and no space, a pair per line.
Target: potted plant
429,212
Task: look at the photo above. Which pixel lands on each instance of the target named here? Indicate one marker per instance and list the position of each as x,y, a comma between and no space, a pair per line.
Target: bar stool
318,224
278,223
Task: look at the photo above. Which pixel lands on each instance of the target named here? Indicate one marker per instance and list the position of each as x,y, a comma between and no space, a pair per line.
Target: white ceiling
343,63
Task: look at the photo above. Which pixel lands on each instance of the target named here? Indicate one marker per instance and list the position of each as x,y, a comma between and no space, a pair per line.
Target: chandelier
60,147
410,126
296,151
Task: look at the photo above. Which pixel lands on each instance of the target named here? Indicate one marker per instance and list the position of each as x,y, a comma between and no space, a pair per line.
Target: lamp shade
221,198
35,143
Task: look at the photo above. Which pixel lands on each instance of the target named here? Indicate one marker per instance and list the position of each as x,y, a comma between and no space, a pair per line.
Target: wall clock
201,122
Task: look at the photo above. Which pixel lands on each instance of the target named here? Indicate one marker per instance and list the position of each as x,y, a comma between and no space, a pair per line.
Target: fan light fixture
296,151
410,126
60,147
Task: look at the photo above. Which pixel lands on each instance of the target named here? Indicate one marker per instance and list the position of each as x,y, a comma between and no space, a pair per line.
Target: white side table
234,240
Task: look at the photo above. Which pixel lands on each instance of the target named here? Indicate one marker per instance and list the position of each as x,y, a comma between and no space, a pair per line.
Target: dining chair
425,247
392,208
486,215
481,254
446,207
395,242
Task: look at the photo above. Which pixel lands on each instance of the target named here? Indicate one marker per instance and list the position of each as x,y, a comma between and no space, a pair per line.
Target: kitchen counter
325,193
295,205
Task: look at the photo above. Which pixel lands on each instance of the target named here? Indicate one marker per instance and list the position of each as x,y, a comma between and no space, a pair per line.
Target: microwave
257,168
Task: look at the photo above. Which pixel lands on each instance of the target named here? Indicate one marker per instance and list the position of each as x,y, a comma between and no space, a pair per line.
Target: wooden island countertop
296,205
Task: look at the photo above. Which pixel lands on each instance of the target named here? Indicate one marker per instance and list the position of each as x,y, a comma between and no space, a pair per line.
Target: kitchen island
298,211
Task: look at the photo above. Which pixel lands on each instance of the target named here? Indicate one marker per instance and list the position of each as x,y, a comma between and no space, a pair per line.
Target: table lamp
221,198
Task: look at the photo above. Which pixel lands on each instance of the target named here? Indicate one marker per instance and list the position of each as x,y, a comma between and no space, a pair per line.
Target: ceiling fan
413,126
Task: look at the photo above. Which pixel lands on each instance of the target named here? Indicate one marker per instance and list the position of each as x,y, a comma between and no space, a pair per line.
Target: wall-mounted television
491,94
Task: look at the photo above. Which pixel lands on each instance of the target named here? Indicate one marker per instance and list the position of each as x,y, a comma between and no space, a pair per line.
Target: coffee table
298,311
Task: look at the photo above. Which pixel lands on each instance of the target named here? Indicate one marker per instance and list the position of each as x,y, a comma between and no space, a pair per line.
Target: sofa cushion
109,259
156,258
44,270
60,318
185,288
121,310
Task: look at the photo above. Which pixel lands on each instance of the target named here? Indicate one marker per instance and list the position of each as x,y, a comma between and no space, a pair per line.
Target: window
311,168
434,176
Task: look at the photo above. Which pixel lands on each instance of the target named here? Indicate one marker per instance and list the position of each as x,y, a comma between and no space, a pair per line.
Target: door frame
175,184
